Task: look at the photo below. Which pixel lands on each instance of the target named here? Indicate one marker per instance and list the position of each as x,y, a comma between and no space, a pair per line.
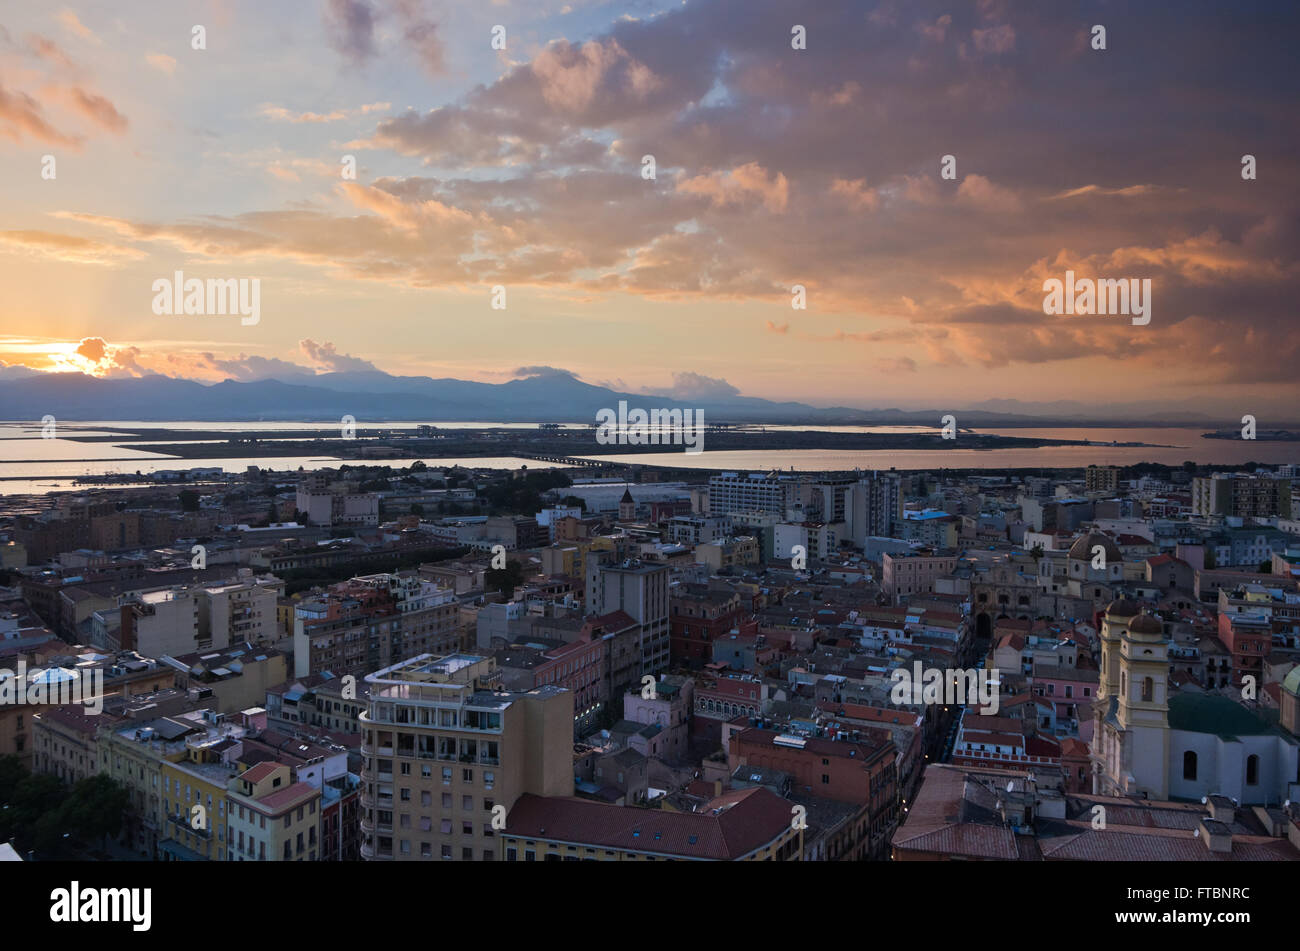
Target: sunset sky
774,167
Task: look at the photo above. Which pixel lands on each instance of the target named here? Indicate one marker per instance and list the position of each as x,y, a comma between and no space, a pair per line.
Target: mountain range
375,396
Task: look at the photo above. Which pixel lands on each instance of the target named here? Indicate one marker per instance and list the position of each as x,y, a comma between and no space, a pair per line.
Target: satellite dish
1196,834
1011,786
1204,800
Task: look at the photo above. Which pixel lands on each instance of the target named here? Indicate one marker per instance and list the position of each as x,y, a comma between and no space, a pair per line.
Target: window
826,780
1252,770
1189,765
1148,689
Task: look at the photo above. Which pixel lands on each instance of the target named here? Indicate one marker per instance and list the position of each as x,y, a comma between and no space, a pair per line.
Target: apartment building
160,821
817,540
639,589
444,747
915,572
725,553
699,616
752,492
229,680
1241,495
697,529
271,818
873,507
858,767
330,501
1101,479
183,619
370,621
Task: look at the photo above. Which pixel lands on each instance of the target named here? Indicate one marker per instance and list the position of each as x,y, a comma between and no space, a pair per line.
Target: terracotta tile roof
728,828
288,797
259,772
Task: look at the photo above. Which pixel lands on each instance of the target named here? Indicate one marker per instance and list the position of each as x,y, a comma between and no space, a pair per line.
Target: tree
504,579
95,807
189,500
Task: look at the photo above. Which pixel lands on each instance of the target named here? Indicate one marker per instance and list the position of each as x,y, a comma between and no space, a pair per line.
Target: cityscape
649,431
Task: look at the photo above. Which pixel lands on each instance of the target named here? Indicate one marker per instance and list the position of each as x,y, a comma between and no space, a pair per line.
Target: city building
446,752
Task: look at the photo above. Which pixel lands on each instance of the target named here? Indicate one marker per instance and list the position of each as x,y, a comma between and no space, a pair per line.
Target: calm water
30,464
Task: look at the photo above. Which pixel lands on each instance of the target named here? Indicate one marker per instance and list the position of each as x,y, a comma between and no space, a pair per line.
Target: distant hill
373,396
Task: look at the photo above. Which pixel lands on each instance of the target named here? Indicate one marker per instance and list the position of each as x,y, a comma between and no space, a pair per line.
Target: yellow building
192,814
271,817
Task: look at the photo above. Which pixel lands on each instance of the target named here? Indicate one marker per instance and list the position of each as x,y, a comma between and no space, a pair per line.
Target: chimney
1217,836
1222,809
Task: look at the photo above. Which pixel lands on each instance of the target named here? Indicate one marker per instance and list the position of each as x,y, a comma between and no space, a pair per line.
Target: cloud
896,365
327,357
48,50
542,371
67,247
281,114
93,349
697,386
96,357
244,368
76,27
421,35
95,108
161,62
855,192
350,28
995,39
22,116
533,177
735,187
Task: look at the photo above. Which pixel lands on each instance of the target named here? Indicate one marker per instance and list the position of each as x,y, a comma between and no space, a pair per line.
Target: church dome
1123,607
1291,683
1081,550
1145,624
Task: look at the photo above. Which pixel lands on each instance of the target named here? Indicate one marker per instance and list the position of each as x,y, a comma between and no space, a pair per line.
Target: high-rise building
446,754
640,589
1245,496
1101,479
873,506
752,492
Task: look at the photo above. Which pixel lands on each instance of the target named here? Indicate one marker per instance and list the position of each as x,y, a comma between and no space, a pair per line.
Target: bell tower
1143,709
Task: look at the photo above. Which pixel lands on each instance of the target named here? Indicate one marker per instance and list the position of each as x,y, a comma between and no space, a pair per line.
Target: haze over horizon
775,166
